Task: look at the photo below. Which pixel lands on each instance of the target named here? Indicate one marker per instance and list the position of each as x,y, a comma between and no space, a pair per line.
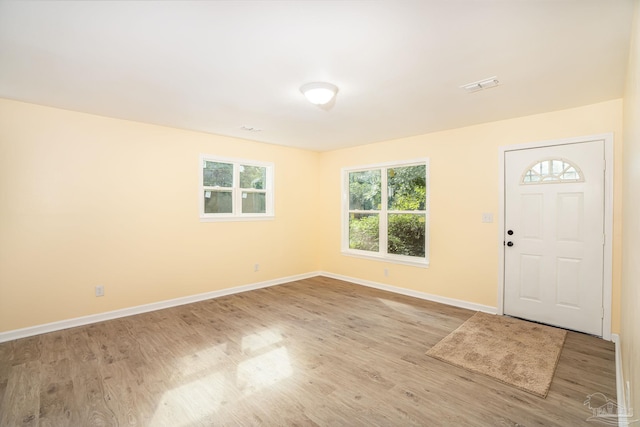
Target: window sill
389,258
237,218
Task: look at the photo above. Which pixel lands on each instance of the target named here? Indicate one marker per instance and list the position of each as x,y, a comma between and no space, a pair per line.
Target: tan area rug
516,352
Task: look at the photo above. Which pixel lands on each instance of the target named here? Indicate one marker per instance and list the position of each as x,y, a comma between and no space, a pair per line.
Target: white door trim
608,218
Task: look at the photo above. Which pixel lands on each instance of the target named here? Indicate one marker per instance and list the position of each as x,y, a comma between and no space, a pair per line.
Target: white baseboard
416,294
130,311
622,392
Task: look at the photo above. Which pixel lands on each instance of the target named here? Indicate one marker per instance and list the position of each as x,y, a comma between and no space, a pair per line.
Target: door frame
608,218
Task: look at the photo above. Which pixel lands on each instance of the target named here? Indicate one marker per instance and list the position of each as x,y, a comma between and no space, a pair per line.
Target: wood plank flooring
317,352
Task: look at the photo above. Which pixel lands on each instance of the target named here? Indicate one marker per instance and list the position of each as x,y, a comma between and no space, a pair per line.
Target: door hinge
604,239
602,312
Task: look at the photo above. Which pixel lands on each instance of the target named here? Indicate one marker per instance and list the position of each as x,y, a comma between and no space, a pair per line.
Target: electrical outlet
99,291
386,272
256,267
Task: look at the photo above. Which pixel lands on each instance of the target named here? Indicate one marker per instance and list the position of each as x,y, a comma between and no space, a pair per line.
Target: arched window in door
552,171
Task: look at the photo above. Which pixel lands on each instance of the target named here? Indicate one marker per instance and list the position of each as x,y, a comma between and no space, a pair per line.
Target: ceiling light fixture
319,93
481,84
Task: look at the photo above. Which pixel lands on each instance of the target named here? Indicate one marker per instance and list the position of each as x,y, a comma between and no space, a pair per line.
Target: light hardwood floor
313,352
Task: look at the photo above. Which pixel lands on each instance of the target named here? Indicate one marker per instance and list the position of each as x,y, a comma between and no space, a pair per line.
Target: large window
385,212
233,189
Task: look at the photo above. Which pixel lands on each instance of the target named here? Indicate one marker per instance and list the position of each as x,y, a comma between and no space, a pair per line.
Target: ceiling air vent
250,129
481,84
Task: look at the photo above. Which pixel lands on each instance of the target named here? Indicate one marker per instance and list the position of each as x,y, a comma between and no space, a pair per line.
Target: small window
385,212
552,171
233,189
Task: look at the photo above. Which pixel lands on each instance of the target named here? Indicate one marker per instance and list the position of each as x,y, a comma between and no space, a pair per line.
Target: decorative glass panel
218,174
363,232
552,171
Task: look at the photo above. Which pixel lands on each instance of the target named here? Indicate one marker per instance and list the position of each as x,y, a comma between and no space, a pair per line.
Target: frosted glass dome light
319,93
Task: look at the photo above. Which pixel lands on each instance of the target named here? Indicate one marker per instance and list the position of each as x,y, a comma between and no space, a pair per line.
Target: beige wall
87,200
630,312
463,184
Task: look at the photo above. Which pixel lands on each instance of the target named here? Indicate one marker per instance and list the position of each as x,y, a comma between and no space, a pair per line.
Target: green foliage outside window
364,232
407,191
406,205
253,177
407,188
220,184
364,190
218,174
406,235
364,195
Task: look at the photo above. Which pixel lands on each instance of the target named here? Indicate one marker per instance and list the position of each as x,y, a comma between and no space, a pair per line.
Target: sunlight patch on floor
263,371
263,363
253,342
400,307
203,360
198,399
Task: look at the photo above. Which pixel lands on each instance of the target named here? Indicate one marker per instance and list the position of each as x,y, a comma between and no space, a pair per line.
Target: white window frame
382,254
236,191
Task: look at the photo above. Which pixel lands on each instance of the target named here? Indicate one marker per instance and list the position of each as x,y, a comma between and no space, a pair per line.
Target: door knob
509,243
510,232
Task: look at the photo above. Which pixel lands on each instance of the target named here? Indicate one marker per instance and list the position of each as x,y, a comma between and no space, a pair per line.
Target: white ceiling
220,65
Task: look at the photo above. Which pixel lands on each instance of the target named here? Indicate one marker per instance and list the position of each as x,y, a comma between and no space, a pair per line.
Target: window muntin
395,229
234,189
552,171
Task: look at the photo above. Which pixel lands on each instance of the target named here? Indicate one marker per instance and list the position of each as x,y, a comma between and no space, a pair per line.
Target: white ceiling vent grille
481,84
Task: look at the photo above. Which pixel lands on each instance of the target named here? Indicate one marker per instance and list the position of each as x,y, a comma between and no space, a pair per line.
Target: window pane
254,202
218,174
406,234
253,177
407,188
217,202
364,190
544,168
538,168
363,232
570,175
557,166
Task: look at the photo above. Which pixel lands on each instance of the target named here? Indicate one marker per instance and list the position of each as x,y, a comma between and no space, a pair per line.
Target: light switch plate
487,217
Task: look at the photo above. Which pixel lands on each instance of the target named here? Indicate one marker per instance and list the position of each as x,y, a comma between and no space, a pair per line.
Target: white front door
554,235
